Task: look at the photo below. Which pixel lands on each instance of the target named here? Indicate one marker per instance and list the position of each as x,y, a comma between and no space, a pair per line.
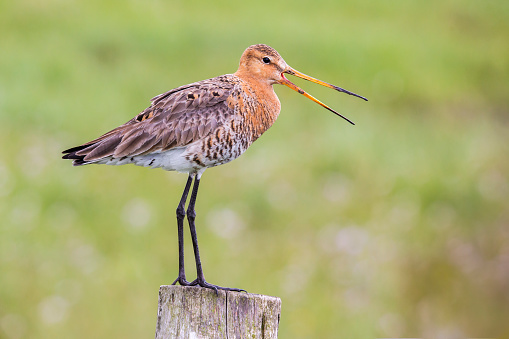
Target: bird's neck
263,104
253,79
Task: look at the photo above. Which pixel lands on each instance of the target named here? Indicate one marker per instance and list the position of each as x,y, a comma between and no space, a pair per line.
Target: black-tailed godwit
197,126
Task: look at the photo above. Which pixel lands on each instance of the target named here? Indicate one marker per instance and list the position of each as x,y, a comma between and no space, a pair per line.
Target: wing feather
174,119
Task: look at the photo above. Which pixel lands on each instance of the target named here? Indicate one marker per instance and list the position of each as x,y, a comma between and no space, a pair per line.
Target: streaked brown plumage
197,126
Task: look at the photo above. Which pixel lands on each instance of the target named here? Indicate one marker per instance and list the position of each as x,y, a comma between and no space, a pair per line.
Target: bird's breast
253,113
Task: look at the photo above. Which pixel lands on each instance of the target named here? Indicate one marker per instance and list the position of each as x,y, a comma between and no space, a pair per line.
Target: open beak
286,82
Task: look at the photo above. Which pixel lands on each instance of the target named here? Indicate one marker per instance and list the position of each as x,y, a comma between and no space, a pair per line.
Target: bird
197,126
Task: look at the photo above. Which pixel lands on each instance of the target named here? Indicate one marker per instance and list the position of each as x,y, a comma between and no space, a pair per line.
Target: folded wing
174,119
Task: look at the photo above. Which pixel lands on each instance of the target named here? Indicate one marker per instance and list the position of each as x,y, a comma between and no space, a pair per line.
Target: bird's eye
266,60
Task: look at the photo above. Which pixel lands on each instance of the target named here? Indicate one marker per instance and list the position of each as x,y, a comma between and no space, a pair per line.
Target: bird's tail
78,159
94,150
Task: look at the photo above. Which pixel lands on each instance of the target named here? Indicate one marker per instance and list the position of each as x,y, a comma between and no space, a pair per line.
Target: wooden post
196,313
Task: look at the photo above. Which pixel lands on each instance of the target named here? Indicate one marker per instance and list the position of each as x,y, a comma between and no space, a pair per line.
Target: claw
182,282
215,287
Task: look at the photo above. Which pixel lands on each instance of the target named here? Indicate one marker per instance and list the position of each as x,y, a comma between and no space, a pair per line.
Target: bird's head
263,64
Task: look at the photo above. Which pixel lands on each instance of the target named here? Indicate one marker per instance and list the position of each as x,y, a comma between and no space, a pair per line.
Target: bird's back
192,127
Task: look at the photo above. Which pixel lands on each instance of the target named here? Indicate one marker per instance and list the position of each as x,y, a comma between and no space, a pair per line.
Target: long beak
286,82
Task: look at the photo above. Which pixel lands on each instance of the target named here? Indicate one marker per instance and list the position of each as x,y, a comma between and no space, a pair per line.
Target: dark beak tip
358,96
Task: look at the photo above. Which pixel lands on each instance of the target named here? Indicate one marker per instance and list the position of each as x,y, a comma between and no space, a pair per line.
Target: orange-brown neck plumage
261,107
260,67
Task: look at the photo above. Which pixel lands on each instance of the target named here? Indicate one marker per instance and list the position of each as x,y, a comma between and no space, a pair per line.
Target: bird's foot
203,283
182,281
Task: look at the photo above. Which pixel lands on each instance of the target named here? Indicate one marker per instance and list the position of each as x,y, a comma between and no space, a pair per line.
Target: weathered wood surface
195,312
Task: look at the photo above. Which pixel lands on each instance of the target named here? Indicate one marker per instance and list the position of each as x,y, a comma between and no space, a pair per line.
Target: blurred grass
397,227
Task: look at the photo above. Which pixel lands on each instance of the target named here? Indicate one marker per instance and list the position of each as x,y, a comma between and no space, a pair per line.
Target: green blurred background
395,227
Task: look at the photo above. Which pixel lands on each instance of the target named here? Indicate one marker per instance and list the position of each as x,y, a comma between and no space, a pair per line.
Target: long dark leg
181,213
191,216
